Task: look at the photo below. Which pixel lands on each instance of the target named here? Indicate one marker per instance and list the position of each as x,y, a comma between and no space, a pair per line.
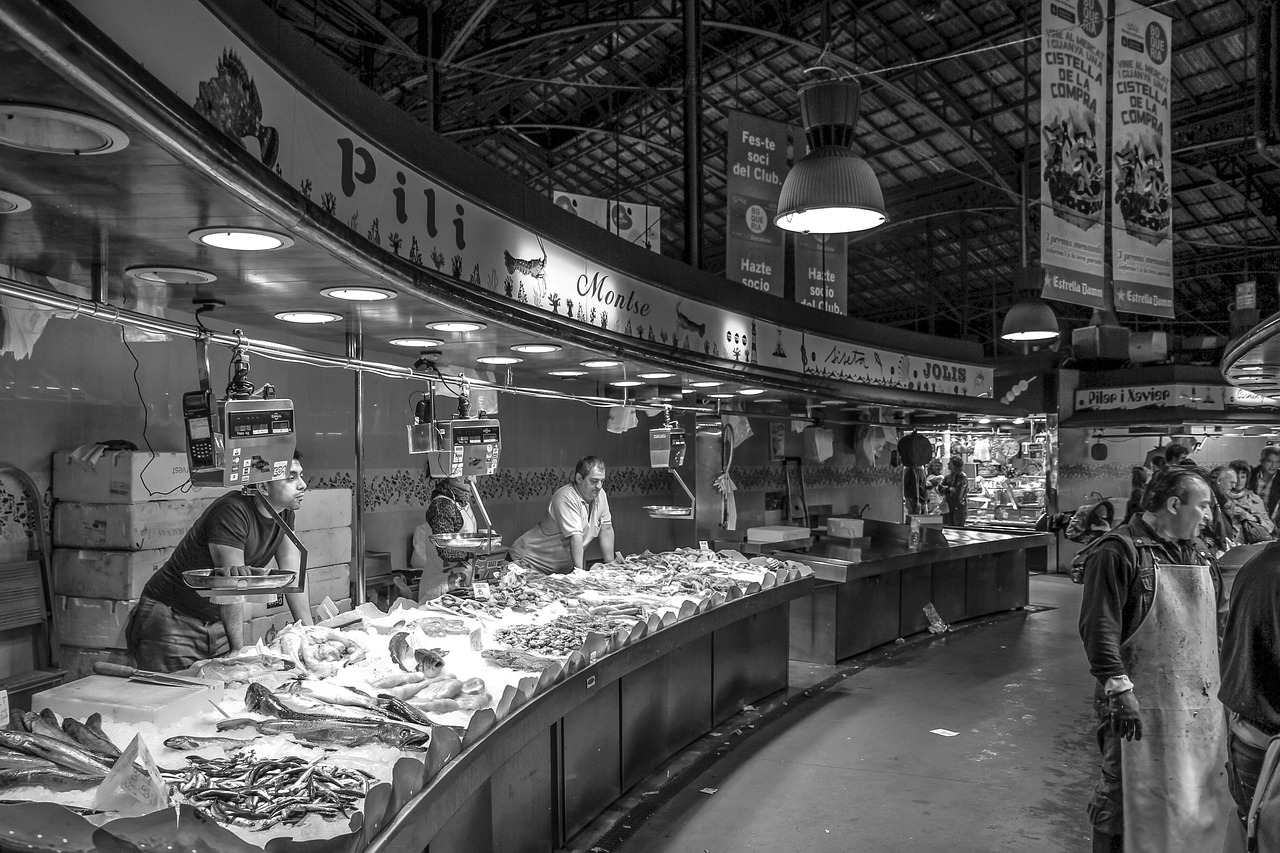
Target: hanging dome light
830,190
1031,320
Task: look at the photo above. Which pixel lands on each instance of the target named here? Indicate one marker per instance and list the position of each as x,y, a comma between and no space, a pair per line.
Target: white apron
1174,779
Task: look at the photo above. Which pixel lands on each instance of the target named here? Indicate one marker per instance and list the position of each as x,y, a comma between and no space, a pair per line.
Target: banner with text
1073,97
1141,139
822,272
756,163
638,223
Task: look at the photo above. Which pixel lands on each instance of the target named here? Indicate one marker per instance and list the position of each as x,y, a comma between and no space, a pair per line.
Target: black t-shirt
1251,643
232,520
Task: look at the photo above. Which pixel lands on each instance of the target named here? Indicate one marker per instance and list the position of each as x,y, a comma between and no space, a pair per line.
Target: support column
355,350
692,134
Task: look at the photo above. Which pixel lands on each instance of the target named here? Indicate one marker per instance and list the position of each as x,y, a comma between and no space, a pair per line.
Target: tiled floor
857,767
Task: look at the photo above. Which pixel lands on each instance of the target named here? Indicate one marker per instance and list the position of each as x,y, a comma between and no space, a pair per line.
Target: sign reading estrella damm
1141,199
1073,96
756,163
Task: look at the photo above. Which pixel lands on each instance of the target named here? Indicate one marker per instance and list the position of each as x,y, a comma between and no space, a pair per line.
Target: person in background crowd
1251,672
1221,531
1262,479
1138,480
1246,510
1152,594
915,490
1178,454
577,517
955,488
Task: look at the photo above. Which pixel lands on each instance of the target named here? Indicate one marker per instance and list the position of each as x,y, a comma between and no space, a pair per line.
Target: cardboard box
324,508
344,606
89,573
326,547
124,477
127,526
78,661
328,581
96,623
255,629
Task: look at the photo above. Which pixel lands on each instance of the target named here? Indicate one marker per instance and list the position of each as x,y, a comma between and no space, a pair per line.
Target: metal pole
355,350
692,134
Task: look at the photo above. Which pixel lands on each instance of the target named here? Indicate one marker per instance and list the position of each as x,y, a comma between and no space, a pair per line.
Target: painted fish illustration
684,324
533,267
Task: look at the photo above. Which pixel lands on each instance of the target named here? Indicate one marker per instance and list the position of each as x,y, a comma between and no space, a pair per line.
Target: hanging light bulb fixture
830,190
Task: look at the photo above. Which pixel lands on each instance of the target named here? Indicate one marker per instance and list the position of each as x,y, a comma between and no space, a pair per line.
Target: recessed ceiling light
308,316
831,402
984,420
241,239
499,359
656,375
536,349
416,343
687,390
720,396
600,363
1252,368
172,275
359,294
767,400
52,130
1019,420
13,203
627,383
566,373
706,383
456,326
751,392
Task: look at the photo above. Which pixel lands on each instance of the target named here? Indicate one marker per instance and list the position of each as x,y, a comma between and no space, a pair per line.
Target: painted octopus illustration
230,100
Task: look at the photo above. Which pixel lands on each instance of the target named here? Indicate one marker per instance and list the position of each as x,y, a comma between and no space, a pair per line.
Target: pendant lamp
830,190
1031,320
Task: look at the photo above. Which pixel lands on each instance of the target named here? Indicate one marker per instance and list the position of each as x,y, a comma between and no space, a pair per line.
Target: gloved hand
1125,720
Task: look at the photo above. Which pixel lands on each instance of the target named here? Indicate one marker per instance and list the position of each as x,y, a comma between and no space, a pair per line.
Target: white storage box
845,528
118,478
128,526
127,701
91,622
324,508
91,573
776,534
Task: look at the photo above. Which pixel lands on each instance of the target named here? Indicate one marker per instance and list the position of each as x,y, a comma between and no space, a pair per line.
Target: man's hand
1125,720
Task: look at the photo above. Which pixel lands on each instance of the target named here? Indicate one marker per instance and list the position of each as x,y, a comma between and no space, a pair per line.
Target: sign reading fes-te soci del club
756,163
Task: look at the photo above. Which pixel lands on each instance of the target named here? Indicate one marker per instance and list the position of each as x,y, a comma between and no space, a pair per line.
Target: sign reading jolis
756,163
1141,207
1073,122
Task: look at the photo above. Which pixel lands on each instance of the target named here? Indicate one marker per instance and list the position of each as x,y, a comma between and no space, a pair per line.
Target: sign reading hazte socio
756,163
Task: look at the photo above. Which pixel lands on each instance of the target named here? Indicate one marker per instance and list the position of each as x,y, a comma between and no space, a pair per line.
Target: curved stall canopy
366,198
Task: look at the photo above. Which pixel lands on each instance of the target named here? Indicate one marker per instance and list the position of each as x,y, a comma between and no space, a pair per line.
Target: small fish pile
561,636
258,794
518,660
39,749
319,651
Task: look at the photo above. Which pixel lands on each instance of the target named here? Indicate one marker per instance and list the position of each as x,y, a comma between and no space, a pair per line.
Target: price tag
480,591
704,545
134,785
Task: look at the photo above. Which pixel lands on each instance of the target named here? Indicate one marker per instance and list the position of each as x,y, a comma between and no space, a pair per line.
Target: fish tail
509,261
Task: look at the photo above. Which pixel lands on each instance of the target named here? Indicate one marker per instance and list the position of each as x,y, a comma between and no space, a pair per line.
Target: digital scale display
487,434
260,424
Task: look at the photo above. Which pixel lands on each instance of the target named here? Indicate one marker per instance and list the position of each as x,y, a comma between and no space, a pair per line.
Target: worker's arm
229,559
606,542
289,559
576,549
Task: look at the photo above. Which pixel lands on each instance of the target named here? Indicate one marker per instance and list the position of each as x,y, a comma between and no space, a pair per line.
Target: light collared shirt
545,546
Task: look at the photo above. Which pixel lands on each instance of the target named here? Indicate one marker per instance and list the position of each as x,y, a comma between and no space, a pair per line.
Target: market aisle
856,768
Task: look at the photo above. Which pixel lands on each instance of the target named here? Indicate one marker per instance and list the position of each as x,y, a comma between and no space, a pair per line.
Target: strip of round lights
416,343
627,383
54,130
359,294
706,383
600,363
536,349
239,239
566,374
308,317
499,359
456,326
659,374
13,203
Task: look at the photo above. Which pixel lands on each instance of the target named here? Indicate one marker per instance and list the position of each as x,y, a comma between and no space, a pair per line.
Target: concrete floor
856,767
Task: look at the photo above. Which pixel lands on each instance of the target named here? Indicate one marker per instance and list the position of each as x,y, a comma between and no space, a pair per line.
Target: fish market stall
501,722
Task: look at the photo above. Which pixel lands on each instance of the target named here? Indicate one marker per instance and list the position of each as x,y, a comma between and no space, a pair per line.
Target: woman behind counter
448,511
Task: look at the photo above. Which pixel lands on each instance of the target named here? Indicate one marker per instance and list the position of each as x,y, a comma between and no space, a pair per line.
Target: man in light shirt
577,518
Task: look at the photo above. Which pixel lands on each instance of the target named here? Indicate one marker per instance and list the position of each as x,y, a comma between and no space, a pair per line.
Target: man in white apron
1149,622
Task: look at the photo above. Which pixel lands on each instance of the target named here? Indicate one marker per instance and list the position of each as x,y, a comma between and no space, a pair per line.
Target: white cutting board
126,701
776,533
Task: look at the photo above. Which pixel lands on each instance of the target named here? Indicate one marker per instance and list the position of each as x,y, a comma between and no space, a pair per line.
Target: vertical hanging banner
756,163
1073,98
822,272
1141,208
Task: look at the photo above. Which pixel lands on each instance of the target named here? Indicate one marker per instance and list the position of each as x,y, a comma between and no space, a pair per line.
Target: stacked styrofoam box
110,536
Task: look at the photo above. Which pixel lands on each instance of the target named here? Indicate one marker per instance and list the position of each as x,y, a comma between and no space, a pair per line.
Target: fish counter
507,721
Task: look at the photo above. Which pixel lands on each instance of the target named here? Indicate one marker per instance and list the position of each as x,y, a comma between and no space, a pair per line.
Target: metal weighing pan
205,579
471,543
669,511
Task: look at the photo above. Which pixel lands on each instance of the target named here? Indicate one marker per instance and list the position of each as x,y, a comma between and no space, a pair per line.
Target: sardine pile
258,794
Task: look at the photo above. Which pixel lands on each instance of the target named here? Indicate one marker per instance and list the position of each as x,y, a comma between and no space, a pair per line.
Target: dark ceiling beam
473,22
1267,221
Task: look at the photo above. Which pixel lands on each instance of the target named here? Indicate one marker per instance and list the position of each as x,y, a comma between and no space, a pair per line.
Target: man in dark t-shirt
173,626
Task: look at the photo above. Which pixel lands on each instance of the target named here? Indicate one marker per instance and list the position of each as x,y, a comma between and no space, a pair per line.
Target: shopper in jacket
1152,592
1138,480
1247,511
955,488
1262,479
